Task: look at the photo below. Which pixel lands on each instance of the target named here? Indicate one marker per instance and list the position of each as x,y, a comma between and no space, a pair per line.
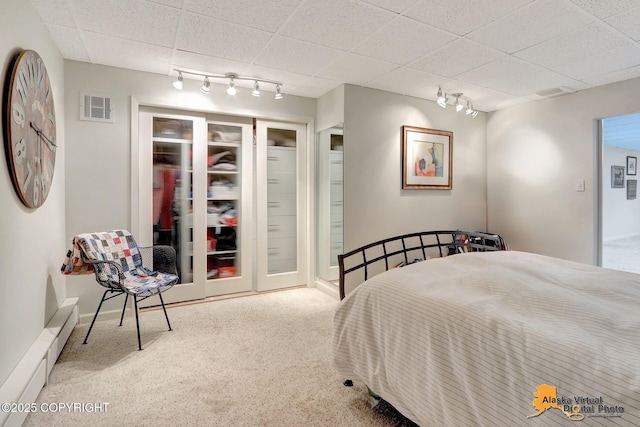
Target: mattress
501,338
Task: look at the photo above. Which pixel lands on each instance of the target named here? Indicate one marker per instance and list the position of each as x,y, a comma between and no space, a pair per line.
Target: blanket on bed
497,339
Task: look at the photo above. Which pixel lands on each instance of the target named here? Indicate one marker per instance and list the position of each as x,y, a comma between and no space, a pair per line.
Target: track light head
278,94
178,83
459,106
469,108
205,85
231,90
442,98
256,89
474,114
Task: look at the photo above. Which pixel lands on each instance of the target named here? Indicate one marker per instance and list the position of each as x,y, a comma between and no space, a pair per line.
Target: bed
474,335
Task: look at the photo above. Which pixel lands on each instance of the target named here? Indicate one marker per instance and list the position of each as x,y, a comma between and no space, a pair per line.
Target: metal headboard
379,256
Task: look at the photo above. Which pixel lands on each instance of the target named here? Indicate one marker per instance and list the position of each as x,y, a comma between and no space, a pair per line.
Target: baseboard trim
31,374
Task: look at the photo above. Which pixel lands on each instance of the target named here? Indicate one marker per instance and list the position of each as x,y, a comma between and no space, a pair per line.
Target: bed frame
398,251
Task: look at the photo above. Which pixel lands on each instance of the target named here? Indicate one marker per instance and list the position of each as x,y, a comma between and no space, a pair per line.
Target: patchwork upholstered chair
120,266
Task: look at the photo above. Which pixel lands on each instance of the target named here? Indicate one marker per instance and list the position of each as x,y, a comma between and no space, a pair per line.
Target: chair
119,266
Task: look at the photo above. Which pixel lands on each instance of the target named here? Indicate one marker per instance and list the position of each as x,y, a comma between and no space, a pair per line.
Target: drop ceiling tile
462,16
294,55
498,71
574,46
605,8
539,81
617,76
117,52
205,64
355,69
403,40
392,5
313,87
455,58
55,12
335,23
627,23
172,3
530,25
130,19
222,39
407,81
264,15
69,42
602,63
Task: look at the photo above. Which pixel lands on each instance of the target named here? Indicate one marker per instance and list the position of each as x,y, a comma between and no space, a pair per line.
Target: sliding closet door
281,204
168,144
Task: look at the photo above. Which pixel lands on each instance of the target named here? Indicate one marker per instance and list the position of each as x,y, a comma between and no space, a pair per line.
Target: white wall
375,205
620,217
99,154
32,241
330,109
535,153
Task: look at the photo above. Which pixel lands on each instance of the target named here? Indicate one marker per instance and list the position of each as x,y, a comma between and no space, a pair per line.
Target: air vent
556,91
96,108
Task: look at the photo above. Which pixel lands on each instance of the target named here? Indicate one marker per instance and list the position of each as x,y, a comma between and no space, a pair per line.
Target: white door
281,204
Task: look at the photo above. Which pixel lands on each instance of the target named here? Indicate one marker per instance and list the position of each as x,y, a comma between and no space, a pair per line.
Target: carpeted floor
262,360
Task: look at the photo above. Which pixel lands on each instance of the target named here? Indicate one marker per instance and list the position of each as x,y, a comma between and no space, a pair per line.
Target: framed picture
632,163
617,176
427,156
632,186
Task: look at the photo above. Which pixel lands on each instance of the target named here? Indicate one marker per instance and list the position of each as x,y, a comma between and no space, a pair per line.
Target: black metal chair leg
124,307
95,316
165,310
135,303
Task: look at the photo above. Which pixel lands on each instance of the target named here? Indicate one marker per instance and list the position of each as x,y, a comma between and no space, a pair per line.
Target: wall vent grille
96,108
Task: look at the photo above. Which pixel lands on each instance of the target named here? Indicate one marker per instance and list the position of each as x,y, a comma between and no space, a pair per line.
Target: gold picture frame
427,158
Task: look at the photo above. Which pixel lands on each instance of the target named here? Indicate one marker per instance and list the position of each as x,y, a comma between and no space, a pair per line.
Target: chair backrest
116,245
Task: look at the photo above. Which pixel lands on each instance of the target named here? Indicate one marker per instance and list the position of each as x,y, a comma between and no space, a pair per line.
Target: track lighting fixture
443,99
205,85
178,83
231,79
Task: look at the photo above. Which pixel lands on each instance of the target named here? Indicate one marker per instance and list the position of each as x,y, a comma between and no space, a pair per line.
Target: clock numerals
27,179
17,113
43,183
49,169
20,151
36,190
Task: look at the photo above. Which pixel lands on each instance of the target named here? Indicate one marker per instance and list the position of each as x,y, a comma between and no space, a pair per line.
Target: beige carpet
262,360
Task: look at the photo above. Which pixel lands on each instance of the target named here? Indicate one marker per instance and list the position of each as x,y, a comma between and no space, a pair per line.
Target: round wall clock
30,125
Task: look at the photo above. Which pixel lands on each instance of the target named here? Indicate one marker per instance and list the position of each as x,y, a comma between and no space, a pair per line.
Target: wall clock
30,126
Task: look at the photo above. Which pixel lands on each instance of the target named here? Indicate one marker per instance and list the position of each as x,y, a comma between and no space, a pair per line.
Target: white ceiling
497,52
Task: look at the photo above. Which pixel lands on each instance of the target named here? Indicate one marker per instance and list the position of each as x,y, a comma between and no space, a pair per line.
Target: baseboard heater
32,373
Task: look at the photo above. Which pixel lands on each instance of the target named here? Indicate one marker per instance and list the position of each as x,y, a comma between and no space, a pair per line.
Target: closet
228,193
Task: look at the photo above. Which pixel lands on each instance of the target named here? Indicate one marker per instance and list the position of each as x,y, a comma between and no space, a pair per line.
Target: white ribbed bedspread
466,340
